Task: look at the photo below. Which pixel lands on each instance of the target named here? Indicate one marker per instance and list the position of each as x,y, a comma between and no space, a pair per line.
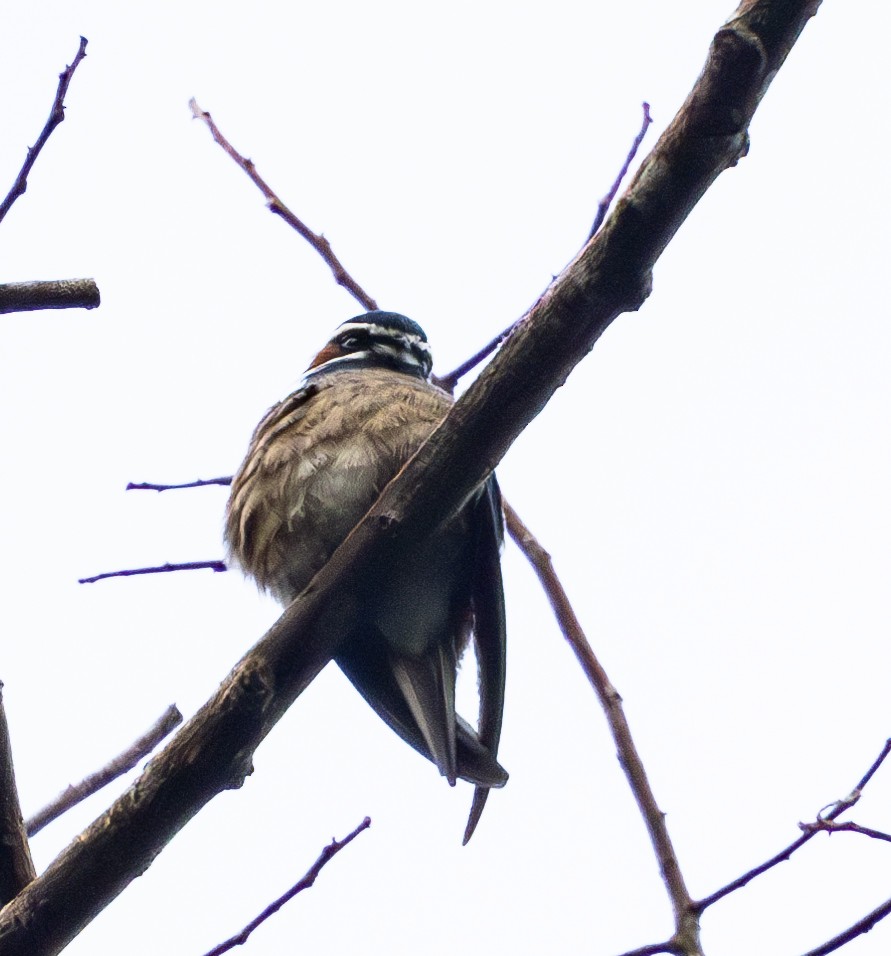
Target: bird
316,463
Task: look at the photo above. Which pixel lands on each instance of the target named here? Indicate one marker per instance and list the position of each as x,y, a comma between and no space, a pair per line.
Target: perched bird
316,463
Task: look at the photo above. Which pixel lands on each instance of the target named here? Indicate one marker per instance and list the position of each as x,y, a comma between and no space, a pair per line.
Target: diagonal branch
57,115
72,795
686,935
612,274
852,932
304,883
318,242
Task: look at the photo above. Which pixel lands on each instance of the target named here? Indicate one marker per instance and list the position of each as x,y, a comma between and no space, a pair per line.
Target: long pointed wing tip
480,795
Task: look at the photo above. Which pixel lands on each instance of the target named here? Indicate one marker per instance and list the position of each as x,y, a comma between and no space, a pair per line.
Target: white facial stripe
378,332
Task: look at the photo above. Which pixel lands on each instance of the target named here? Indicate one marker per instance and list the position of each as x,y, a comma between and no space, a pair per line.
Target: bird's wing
251,523
427,683
366,662
489,630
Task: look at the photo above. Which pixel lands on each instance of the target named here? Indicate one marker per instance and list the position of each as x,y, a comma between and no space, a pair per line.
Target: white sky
712,481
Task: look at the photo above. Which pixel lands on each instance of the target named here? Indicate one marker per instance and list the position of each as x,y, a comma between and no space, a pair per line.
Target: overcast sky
712,481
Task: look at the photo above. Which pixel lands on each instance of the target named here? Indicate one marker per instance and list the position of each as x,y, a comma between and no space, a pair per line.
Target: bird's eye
350,342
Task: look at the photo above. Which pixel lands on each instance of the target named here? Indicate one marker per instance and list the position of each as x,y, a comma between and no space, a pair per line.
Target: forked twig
318,242
836,809
72,795
57,115
333,848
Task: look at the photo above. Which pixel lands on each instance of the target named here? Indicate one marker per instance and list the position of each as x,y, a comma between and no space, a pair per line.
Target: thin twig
606,202
199,483
57,114
839,807
50,294
686,935
72,795
333,848
852,932
159,569
318,242
448,382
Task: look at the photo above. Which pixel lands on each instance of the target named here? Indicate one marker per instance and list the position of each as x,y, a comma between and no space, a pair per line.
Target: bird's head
376,340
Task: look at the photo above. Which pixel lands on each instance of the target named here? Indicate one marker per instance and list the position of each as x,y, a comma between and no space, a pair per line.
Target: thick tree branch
16,868
57,114
50,294
612,274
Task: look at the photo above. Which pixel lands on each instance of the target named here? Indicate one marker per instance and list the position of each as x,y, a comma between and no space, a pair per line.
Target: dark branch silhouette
304,883
16,867
72,795
51,294
852,932
57,115
199,483
215,565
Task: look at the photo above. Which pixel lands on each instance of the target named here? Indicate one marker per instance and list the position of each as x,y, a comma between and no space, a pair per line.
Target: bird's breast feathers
316,464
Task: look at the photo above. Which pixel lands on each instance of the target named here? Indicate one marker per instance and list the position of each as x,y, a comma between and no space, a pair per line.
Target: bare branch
837,808
333,848
52,294
606,202
199,483
16,867
318,242
448,382
158,569
57,114
686,936
72,795
612,274
852,932
830,826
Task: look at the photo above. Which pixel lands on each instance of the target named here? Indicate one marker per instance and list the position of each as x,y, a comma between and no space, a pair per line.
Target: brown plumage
316,463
